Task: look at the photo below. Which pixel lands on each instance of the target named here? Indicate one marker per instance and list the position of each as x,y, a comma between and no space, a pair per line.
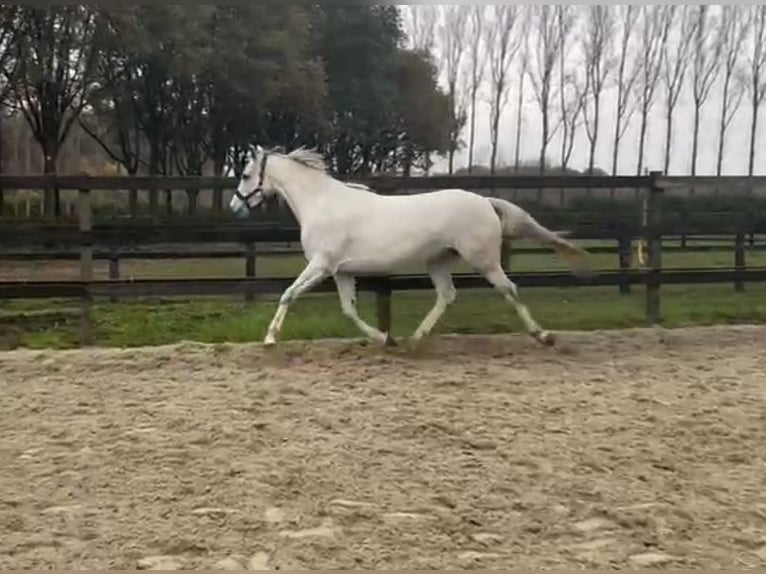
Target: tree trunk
472,144
594,139
722,129
519,119
668,138
52,200
642,141
696,137
544,145
495,129
753,134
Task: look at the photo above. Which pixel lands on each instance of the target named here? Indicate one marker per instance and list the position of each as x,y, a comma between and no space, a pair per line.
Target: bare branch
421,21
477,69
681,29
452,32
628,71
654,25
501,50
599,63
757,69
553,24
706,67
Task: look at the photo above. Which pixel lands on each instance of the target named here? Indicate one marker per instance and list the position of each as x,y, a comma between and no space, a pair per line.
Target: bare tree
477,68
706,66
628,70
676,50
572,92
453,36
654,24
757,74
597,49
501,51
733,30
8,30
56,50
420,21
547,43
523,65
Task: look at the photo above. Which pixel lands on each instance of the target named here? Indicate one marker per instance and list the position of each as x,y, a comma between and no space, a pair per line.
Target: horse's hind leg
346,285
497,277
441,277
314,273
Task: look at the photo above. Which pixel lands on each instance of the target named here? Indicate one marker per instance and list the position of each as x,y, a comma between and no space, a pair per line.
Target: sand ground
621,449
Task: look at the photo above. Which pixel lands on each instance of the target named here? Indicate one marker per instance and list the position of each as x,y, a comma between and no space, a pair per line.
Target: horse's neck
299,186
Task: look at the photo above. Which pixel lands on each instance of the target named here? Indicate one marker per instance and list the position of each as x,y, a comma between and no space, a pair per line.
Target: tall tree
453,40
424,113
362,96
597,48
523,66
56,56
654,26
628,70
733,31
706,66
421,21
572,92
681,23
546,42
112,118
757,74
503,44
477,62
9,26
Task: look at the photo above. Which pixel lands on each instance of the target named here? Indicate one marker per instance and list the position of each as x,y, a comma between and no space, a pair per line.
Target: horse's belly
383,257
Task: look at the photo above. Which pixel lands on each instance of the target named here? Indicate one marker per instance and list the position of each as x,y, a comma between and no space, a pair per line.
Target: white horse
348,230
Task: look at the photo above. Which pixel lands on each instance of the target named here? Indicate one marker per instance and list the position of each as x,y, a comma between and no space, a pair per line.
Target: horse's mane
312,159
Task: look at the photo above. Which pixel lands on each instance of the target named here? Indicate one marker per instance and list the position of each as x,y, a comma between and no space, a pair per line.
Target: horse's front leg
315,272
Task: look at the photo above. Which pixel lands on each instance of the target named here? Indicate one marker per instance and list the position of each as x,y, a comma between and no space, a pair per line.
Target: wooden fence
649,227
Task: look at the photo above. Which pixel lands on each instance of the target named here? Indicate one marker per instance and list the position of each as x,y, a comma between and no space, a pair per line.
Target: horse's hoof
546,339
390,341
269,342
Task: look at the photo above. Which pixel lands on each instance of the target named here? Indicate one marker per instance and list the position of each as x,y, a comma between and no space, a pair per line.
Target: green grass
142,323
53,324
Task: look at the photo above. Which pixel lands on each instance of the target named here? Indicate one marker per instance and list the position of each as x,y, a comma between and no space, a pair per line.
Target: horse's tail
519,223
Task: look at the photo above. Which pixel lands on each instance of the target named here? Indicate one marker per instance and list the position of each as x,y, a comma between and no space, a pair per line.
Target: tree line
566,59
175,89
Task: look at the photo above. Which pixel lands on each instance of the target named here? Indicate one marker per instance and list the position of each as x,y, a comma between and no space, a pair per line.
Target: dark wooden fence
106,239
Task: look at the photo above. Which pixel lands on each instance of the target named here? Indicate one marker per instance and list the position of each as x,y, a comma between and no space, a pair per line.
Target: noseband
246,198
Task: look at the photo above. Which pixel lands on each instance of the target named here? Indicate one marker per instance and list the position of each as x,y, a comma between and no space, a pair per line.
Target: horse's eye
246,177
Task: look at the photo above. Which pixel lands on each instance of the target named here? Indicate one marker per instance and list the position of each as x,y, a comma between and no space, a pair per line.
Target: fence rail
96,240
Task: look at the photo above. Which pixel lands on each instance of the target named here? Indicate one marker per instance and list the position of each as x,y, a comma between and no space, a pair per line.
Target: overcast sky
735,161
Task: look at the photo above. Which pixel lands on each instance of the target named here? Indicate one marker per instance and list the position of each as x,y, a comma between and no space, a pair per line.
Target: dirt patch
629,449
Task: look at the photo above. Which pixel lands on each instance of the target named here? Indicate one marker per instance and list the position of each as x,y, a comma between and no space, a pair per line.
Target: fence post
86,266
114,270
249,269
383,304
653,236
154,199
740,262
625,254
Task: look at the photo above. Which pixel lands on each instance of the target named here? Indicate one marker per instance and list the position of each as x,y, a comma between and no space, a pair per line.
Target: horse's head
252,190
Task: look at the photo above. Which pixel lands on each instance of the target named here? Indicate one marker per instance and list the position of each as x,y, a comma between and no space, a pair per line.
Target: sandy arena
630,449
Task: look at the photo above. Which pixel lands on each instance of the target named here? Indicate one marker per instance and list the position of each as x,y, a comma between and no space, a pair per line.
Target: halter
259,189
